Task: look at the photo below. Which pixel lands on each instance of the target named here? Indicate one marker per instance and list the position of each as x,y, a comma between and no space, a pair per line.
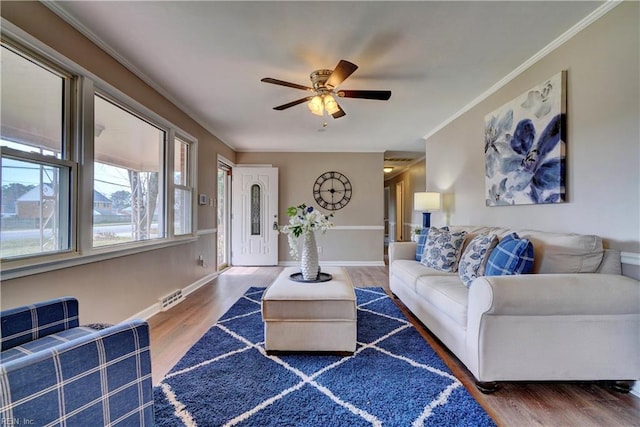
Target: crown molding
566,36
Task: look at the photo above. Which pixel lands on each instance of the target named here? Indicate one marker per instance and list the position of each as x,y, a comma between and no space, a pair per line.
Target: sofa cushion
442,249
564,252
474,258
27,323
45,343
409,271
512,255
447,293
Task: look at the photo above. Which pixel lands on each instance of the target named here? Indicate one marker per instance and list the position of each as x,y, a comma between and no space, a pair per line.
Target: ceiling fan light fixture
315,106
324,90
330,104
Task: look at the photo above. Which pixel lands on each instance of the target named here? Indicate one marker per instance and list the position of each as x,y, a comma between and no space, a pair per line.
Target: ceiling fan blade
380,95
343,70
288,84
292,103
339,113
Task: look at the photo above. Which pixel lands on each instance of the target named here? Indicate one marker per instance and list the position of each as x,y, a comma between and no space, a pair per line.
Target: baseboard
337,263
147,313
198,284
154,309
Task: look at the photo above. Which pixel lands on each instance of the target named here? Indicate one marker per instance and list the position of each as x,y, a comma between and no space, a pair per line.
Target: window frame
167,165
40,159
191,165
78,152
66,157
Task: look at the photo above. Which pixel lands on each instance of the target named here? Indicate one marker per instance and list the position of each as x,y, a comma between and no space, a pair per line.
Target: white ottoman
310,316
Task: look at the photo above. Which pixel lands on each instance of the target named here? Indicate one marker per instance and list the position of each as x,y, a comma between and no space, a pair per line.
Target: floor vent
168,301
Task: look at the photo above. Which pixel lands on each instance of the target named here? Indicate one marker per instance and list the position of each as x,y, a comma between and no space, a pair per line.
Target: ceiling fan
324,90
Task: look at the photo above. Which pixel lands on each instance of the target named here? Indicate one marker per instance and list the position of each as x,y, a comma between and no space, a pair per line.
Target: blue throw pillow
512,255
421,241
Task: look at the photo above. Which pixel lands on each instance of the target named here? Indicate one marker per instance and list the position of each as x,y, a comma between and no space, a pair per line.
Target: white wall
603,142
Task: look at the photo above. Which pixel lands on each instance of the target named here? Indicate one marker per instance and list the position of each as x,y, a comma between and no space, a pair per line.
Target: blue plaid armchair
55,372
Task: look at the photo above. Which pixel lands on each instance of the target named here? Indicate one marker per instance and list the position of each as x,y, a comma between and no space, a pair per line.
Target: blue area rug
393,379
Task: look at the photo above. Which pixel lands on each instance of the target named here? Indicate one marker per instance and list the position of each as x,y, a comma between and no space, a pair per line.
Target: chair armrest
554,294
104,377
30,322
402,250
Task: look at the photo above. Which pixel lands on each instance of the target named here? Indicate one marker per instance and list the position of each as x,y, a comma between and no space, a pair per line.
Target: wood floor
516,404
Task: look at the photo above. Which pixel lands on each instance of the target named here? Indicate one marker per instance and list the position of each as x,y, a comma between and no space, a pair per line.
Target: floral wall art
524,147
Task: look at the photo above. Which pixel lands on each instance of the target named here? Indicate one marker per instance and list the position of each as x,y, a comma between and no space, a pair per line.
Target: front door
254,214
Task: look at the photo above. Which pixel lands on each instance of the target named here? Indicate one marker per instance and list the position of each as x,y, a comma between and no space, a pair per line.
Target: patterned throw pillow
422,239
442,249
475,256
513,255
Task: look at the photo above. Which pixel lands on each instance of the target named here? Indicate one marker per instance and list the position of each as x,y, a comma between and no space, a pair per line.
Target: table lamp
426,202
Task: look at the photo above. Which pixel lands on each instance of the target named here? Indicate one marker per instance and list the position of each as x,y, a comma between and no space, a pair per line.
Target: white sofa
575,318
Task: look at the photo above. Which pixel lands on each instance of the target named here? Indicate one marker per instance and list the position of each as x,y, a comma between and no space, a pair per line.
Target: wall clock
332,190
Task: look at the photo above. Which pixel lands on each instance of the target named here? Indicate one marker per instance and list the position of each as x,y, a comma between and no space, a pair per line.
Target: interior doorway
399,212
387,212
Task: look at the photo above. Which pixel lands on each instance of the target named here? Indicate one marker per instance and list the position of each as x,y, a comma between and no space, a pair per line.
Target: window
128,167
35,176
84,179
33,104
255,209
182,187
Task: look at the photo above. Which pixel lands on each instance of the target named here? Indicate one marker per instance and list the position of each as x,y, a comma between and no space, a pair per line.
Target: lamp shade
427,201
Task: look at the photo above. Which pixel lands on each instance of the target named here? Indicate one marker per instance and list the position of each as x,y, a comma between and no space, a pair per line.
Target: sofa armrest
103,377
554,294
31,322
402,250
547,327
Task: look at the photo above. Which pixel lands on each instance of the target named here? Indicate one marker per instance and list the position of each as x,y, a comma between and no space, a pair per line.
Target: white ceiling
436,57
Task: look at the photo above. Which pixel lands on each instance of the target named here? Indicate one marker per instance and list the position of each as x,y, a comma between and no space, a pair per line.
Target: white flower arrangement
302,220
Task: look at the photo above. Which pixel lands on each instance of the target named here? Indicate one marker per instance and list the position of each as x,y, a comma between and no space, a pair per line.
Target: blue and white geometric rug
393,379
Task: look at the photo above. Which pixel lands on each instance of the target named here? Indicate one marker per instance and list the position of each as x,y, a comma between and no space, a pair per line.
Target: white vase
309,257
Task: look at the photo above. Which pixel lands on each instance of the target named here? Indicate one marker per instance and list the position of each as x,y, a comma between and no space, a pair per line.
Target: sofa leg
487,387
